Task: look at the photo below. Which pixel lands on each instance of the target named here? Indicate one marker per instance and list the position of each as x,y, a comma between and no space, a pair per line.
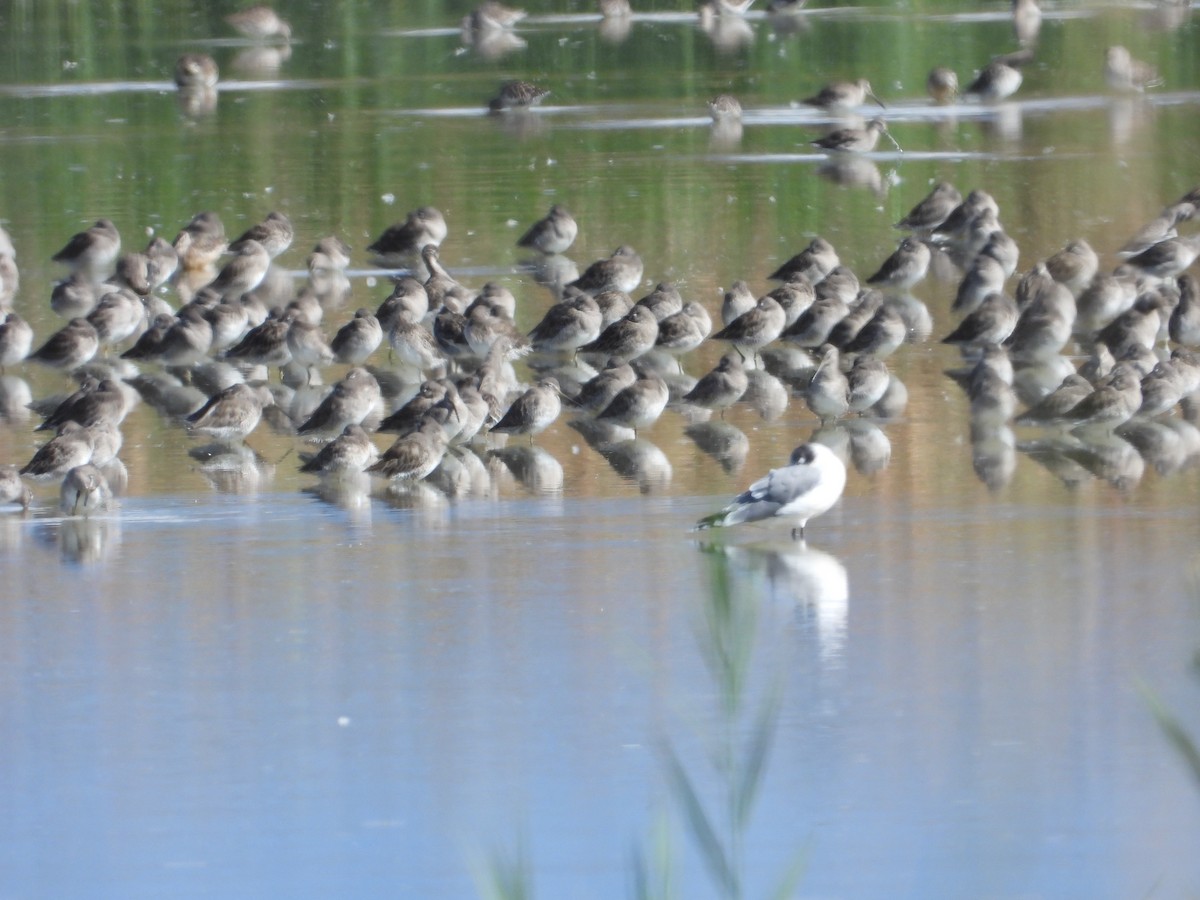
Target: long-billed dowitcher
229,415
554,233
93,250
84,491
421,227
853,139
622,271
534,411
843,95
351,451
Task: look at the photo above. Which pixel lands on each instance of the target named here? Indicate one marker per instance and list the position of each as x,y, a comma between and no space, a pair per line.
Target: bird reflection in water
533,467
797,577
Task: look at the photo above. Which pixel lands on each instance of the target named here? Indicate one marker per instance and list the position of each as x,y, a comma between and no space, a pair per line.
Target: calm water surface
234,687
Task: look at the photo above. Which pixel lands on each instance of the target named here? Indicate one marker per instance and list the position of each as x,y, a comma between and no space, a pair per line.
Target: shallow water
233,687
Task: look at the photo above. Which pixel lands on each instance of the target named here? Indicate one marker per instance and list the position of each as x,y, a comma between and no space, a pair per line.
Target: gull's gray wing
774,490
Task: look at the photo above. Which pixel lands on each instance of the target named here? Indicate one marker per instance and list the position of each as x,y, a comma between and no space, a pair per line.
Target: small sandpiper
567,325
492,15
1124,73
13,489
991,322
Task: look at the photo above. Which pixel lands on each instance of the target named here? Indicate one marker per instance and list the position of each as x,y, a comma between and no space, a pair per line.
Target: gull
809,485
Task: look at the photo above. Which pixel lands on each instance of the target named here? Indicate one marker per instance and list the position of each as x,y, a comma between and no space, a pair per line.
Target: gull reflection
533,467
812,582
725,443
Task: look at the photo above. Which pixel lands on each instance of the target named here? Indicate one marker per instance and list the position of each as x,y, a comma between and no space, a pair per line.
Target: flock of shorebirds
433,364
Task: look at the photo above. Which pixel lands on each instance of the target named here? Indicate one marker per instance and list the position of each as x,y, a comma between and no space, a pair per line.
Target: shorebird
351,451
828,392
931,212
201,242
517,95
92,251
809,485
70,347
905,267
423,226
814,262
843,95
722,387
196,71
275,233
413,456
996,81
622,271
229,415
638,405
627,338
567,325
941,85
552,234
853,140
84,490
533,412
